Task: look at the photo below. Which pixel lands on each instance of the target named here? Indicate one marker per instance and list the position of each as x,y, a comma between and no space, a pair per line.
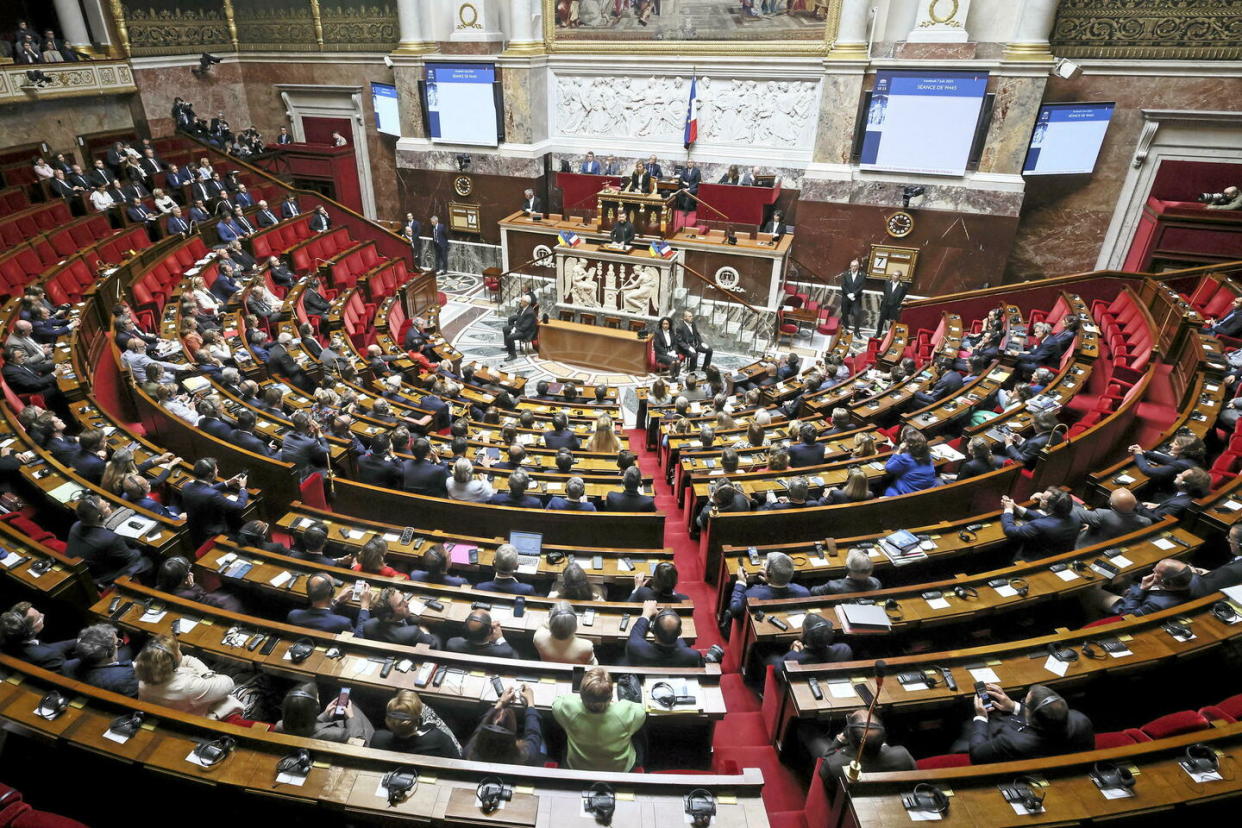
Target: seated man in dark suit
209,506
877,756
379,467
1188,486
775,581
573,501
280,273
1167,585
504,580
1186,452
560,436
1051,530
1228,325
1026,451
100,663
481,637
808,452
1205,581
797,498
667,649
1120,518
210,421
393,624
425,474
321,614
725,498
858,577
1050,351
815,645
313,302
435,569
630,498
106,553
90,462
20,628
948,383
244,437
305,446
519,482
1040,725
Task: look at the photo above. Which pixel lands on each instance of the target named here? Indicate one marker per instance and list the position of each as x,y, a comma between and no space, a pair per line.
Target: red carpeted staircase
743,737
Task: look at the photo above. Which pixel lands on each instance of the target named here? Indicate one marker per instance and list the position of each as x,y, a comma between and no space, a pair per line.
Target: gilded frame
791,48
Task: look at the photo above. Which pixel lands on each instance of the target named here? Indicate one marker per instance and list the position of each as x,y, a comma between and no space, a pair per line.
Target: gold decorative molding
232,23
1149,29
819,47
318,21
122,33
67,80
168,31
362,27
1027,52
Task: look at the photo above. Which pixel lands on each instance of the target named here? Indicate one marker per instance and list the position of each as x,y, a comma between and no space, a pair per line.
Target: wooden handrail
727,293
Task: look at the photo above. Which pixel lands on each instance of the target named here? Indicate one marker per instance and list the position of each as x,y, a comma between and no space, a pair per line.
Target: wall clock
462,185
899,224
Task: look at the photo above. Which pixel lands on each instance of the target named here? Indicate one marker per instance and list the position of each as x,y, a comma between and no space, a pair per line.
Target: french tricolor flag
692,114
661,250
569,239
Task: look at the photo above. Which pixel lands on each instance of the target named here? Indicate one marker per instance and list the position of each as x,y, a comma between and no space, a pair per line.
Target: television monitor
1067,138
922,121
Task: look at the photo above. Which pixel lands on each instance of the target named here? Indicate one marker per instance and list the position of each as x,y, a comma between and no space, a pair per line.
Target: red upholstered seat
1175,724
313,493
1099,622
945,760
1114,739
1232,707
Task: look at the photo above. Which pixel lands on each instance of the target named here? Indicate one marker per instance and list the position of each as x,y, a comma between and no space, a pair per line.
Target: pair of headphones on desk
215,751
1112,775
926,797
399,782
1225,612
1025,792
893,610
965,592
601,802
1200,758
297,763
491,792
700,806
301,650
1020,586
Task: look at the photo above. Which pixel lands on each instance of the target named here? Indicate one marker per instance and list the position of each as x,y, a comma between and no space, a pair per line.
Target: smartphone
386,670
342,701
424,674
435,605
269,645
752,555
441,672
815,688
625,621
579,673
981,691
626,565
588,618
519,607
474,556
498,686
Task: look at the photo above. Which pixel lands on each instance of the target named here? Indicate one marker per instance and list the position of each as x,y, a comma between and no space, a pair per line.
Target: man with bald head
1100,525
1165,586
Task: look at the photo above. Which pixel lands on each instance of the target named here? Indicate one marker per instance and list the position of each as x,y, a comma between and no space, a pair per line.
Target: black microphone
877,670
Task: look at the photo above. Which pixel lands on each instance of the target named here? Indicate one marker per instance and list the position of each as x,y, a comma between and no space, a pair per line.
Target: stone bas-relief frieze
754,112
609,286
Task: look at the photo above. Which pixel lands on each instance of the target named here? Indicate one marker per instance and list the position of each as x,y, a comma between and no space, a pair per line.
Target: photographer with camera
1229,198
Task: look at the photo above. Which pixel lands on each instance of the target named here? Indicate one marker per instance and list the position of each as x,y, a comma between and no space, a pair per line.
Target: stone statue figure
640,292
583,286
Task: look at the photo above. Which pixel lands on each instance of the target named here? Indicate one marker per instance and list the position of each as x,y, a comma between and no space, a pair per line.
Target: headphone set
968,535
1025,792
300,650
1200,758
926,797
1020,586
1093,650
700,806
965,592
893,610
1112,775
601,802
663,694
214,752
399,782
127,724
1225,612
297,763
52,705
1065,654
491,792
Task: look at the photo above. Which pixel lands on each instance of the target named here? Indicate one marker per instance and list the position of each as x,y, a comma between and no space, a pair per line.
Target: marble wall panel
1064,218
26,123
210,94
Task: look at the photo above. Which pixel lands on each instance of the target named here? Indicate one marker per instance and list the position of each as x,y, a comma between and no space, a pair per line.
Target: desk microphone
854,769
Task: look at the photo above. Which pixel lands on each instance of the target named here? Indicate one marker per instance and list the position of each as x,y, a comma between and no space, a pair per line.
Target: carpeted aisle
782,790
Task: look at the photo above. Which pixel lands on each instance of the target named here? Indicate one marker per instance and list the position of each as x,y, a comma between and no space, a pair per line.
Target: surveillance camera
1066,69
911,191
388,61
463,162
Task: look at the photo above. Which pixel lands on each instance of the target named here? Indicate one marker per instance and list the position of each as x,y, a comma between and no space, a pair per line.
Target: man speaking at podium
623,230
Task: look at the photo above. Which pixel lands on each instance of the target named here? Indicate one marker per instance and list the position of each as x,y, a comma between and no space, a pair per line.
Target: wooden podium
650,212
594,346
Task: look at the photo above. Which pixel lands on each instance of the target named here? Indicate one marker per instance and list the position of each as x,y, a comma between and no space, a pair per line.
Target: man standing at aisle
439,239
852,283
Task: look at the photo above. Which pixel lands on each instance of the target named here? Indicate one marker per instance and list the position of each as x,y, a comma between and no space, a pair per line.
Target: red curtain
319,130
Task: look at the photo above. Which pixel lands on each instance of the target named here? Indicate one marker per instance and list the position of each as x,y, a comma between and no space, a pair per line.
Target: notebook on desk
863,618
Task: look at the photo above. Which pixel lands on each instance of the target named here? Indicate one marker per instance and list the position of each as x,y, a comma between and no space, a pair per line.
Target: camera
1213,198
911,191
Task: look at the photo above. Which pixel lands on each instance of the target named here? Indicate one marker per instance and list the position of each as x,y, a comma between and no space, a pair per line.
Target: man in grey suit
1207,581
1119,518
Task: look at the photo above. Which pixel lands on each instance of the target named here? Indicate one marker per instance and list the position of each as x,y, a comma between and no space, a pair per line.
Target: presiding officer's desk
345,780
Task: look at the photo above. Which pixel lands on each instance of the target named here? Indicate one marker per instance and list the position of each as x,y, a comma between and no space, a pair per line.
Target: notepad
985,674
1163,543
1056,666
841,690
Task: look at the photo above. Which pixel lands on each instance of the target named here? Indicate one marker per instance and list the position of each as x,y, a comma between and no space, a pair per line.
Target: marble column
72,23
525,85
1030,37
407,71
1013,119
834,134
413,25
523,37
851,41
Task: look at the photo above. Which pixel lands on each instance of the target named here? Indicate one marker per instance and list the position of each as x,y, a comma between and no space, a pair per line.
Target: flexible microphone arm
854,769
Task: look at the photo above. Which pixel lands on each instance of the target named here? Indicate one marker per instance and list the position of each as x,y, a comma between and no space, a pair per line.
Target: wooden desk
609,349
